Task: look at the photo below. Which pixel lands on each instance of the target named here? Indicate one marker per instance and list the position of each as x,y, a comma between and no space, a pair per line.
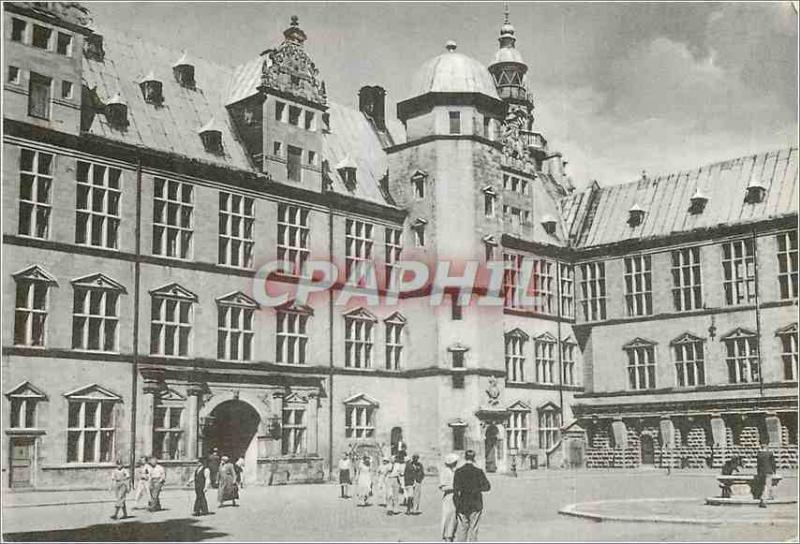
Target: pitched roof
599,216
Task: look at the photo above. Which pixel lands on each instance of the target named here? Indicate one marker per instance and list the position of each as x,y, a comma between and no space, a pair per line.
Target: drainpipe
758,316
330,350
560,361
136,281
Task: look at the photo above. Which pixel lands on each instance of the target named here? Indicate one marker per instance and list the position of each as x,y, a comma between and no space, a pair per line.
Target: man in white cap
448,506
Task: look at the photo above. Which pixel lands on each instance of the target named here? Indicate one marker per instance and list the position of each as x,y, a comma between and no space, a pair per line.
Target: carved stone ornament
290,70
512,137
493,392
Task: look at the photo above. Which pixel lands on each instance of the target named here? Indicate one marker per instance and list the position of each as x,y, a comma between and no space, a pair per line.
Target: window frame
109,299
359,241
788,338
40,82
688,355
236,230
160,324
163,227
168,434
40,210
545,354
98,428
30,280
739,289
454,119
293,434
87,217
394,328
518,428
638,280
514,347
549,428
742,356
359,339
787,255
594,296
641,365
291,335
687,279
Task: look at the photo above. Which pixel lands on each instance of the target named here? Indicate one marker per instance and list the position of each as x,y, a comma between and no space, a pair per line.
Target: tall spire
507,38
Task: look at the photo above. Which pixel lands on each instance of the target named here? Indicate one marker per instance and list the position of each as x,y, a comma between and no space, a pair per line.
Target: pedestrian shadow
173,530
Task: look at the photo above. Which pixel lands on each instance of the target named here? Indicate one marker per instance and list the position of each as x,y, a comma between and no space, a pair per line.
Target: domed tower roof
509,69
453,72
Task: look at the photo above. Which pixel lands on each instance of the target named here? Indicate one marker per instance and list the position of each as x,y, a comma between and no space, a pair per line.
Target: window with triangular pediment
91,424
30,311
171,318
24,400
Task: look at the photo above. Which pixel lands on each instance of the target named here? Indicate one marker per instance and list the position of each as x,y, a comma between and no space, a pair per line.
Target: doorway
233,432
22,455
647,449
491,447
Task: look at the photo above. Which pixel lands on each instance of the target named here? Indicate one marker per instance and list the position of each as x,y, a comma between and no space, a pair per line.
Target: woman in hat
364,481
384,489
449,519
120,487
228,490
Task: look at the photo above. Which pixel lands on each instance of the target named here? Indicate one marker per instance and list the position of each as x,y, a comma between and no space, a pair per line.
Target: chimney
371,102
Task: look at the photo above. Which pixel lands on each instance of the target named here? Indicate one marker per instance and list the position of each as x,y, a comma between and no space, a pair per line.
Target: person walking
765,468
201,478
364,482
413,476
469,483
158,477
213,466
448,506
395,480
345,466
384,489
120,487
240,472
227,490
141,477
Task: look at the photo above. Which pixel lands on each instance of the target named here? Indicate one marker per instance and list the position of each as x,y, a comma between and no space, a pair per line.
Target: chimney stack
371,101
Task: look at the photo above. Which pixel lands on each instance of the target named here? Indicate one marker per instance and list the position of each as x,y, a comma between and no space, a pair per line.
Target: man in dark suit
469,483
765,468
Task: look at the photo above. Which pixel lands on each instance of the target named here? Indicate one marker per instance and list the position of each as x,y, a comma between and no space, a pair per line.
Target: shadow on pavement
173,530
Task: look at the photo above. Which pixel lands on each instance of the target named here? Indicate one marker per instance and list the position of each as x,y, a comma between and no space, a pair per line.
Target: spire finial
295,20
505,11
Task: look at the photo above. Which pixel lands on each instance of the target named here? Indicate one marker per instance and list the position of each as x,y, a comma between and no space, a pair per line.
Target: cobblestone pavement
524,508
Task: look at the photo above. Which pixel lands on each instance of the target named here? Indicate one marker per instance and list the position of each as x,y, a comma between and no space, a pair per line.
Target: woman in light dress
364,481
228,490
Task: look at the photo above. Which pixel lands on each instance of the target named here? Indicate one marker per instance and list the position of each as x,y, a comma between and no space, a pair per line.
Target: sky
619,88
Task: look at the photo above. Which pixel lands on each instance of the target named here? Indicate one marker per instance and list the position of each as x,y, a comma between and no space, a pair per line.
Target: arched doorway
648,449
491,447
233,429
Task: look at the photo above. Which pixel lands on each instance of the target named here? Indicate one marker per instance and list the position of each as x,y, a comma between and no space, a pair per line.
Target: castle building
143,190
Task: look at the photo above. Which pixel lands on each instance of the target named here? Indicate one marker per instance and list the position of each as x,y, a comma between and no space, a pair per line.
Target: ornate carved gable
289,70
35,273
687,338
639,343
738,332
169,394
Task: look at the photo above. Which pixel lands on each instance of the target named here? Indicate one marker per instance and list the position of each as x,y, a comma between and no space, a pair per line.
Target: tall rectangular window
170,326
293,430
518,430
593,291
548,428
64,44
358,246
30,312
394,344
393,246
95,319
455,122
23,412
294,115
515,357
687,289
291,337
638,285
788,340
512,289
545,361
35,193
358,342
173,218
18,27
459,436
98,205
787,264
641,367
741,356
359,421
566,290
294,163
90,431
41,36
168,432
293,236
236,219
234,332
738,265
689,363
543,285
39,91
568,362
280,108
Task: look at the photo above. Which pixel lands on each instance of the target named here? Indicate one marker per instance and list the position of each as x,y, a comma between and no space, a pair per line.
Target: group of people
762,482
149,476
397,483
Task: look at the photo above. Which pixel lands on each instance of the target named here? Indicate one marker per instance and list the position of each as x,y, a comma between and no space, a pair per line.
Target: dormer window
698,202
549,224
755,192
418,227
212,137
347,170
184,72
152,89
635,215
117,112
418,183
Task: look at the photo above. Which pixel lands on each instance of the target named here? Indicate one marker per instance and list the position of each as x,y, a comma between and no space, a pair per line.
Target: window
293,236
458,365
171,321
641,365
276,149
543,285
787,264
394,342
234,331
741,356
35,188
18,27
488,203
515,355
359,421
687,293
312,158
66,89
788,339
236,219
545,359
456,310
13,74
418,182
358,247
64,44
459,432
39,96
548,428
419,234
487,127
280,107
512,291
41,37
293,430
95,317
738,265
638,285
689,361
458,358
566,275
568,362
173,218
293,163
90,431
593,291
455,122
358,340
394,246
518,430
30,311
291,336
309,120
23,401
98,205
294,115
168,432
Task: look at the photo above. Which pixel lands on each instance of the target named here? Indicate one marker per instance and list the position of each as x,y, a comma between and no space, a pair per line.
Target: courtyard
524,508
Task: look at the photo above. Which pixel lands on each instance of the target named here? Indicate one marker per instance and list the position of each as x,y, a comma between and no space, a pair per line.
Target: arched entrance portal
491,448
233,431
